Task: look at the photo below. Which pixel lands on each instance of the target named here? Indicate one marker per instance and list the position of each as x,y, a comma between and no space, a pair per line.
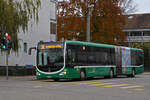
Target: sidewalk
146,73
23,78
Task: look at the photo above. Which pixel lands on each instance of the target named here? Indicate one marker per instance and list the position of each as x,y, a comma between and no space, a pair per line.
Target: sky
143,6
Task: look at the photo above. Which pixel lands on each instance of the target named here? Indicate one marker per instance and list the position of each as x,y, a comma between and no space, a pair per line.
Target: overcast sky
143,6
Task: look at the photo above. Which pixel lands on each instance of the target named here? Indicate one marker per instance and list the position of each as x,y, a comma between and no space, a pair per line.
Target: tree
107,20
71,21
15,15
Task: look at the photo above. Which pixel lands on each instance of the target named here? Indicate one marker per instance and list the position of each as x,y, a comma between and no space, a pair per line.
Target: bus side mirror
30,50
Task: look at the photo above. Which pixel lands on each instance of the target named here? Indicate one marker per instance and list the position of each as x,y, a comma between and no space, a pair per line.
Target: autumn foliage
16,15
106,20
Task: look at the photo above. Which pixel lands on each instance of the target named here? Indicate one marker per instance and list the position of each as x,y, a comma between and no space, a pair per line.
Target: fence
17,71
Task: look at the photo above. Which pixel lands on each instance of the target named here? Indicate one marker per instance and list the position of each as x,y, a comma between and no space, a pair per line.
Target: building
137,28
45,30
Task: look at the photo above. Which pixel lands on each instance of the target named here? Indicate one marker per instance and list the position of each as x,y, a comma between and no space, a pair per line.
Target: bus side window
139,57
69,53
112,52
71,56
133,58
104,56
90,55
81,55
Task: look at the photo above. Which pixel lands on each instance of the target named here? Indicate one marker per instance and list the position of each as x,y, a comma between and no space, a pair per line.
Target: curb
146,73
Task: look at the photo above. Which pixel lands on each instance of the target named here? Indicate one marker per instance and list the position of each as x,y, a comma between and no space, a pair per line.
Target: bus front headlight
38,74
63,73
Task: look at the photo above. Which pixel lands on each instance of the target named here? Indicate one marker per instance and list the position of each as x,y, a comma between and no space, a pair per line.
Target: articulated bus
76,59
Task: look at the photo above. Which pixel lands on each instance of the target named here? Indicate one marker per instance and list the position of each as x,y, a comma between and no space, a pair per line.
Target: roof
85,44
91,44
100,45
138,21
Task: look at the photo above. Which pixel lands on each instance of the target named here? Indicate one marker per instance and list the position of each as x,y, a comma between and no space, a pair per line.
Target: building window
53,28
136,34
25,47
146,33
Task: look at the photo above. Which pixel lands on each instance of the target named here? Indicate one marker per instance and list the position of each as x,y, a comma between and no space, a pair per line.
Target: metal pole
88,25
129,39
56,4
142,38
6,65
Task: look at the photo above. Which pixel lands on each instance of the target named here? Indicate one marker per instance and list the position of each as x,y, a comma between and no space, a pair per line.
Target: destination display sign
50,46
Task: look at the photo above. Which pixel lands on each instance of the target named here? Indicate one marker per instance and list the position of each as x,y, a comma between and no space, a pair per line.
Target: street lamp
88,22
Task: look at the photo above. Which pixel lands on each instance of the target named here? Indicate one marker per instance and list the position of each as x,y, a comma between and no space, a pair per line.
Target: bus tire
132,73
82,75
111,73
56,79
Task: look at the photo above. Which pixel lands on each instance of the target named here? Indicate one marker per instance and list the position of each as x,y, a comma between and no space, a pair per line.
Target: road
27,88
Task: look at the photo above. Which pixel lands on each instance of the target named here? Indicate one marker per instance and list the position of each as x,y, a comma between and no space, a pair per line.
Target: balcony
138,38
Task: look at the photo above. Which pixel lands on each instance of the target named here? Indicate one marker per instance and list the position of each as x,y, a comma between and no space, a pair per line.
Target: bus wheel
82,75
56,79
133,73
111,73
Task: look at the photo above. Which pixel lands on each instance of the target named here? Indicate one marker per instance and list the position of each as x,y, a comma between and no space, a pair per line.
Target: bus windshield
50,60
50,56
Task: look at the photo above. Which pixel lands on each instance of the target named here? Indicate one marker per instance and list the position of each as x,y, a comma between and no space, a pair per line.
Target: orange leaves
106,20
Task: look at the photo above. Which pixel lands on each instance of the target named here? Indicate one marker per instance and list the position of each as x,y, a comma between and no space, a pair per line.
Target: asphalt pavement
122,88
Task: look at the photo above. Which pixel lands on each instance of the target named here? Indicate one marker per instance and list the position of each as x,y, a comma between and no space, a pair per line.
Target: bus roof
136,49
91,44
98,44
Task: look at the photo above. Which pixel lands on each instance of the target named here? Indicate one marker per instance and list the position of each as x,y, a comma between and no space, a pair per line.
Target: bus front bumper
65,74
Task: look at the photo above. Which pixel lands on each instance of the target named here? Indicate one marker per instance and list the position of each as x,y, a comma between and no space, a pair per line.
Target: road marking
116,85
55,85
139,89
101,84
91,83
128,87
74,82
38,86
82,83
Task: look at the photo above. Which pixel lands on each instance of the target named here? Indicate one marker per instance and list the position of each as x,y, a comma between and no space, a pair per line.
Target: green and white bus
76,59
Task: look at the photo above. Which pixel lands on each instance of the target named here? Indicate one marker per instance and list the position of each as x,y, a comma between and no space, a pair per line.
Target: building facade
137,28
44,30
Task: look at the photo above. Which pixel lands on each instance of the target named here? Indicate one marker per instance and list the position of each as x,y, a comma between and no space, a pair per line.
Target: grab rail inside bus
30,50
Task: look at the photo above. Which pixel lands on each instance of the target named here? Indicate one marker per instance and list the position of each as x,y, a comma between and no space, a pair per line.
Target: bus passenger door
118,60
